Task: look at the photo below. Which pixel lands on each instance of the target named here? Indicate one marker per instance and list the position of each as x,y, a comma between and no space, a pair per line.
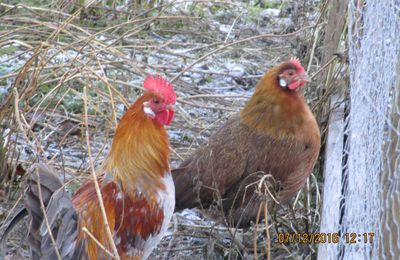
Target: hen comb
296,62
158,84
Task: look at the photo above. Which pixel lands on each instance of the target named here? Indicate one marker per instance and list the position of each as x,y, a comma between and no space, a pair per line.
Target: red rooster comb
296,62
158,84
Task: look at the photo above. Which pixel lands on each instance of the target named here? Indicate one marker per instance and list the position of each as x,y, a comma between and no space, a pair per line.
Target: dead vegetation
62,63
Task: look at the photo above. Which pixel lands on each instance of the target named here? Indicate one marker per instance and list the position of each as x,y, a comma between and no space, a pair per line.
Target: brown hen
275,134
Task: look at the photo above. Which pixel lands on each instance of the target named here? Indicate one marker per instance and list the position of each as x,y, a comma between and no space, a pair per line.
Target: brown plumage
275,134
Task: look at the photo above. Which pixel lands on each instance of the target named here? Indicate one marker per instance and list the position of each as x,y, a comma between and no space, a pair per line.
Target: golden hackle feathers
130,179
140,150
135,187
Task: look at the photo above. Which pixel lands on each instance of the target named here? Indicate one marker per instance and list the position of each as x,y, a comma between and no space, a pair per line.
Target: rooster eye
156,101
291,73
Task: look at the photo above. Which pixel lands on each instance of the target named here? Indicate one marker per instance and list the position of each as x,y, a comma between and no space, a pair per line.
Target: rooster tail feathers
45,176
21,214
60,213
49,183
62,219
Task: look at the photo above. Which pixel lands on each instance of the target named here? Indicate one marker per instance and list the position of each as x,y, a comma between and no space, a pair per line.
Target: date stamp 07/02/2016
319,238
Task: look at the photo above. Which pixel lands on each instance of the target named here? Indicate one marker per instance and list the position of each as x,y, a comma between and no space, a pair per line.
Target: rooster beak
171,113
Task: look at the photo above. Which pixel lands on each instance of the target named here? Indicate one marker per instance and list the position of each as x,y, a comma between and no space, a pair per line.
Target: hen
135,183
275,134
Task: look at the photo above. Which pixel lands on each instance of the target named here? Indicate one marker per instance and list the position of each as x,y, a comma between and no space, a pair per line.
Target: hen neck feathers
274,110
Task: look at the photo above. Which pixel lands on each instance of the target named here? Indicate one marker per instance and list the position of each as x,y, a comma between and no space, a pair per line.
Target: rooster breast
138,221
167,202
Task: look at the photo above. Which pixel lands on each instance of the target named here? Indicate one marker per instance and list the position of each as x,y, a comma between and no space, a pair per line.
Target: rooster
136,186
274,135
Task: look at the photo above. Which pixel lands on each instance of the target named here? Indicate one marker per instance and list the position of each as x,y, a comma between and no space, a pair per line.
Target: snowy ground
208,93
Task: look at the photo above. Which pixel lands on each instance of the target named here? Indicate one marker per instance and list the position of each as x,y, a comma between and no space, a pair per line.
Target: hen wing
215,166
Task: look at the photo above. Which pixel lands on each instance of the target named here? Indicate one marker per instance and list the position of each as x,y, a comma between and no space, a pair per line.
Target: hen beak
304,77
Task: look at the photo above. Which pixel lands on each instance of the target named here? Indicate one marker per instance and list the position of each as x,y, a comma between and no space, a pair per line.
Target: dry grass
75,69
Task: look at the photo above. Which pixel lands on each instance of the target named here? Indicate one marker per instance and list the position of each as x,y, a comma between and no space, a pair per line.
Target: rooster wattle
135,183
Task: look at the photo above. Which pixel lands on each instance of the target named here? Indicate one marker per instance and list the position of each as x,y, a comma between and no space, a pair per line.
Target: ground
58,59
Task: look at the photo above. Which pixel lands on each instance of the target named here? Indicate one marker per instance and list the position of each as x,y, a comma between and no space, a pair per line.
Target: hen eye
156,101
291,73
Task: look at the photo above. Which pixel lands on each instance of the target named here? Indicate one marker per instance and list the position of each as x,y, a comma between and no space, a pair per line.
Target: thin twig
255,234
95,181
20,125
266,35
84,229
46,220
324,67
267,231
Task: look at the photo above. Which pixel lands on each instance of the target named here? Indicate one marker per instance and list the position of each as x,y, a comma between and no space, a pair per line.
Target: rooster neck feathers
140,151
275,110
